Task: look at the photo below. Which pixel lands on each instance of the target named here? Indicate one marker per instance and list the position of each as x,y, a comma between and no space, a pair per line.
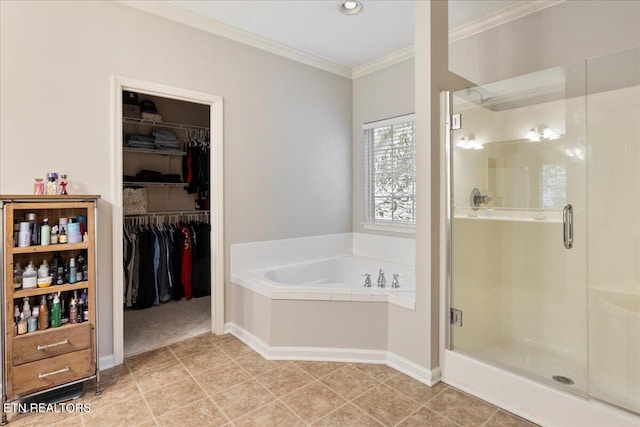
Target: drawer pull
59,371
55,344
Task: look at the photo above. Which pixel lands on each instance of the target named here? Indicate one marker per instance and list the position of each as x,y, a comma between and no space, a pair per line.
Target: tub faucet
367,280
395,283
382,282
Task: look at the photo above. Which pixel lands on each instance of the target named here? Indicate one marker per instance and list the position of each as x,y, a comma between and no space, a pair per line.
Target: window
390,171
554,186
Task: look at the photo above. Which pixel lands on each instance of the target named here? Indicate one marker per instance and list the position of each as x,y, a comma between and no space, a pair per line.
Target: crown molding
384,62
213,26
218,28
508,14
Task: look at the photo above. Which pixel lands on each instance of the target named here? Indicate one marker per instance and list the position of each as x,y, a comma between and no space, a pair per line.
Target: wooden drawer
36,376
51,342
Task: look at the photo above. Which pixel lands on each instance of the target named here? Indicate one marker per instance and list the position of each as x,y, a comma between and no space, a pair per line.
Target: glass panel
518,159
613,101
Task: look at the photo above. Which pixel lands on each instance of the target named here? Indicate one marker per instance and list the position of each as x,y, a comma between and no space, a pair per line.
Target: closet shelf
134,120
154,184
168,213
156,152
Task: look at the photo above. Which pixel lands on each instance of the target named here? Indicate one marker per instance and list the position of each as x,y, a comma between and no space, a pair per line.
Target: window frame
370,221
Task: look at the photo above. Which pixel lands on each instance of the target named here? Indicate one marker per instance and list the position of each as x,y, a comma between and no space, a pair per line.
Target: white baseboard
412,369
324,354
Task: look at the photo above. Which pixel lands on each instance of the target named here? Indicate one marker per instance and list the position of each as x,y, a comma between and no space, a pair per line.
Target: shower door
517,214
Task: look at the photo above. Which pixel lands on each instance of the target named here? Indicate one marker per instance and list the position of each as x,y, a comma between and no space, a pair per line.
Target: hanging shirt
185,276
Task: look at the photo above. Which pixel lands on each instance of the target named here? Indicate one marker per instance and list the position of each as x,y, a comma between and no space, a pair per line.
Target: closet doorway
168,252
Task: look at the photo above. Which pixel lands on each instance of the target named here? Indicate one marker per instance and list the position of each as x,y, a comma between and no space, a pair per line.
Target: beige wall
380,95
285,125
566,33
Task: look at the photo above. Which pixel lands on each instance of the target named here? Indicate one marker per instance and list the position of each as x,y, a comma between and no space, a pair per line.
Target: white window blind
390,170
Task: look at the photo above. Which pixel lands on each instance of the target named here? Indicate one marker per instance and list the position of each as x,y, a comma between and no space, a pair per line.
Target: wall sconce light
541,132
468,141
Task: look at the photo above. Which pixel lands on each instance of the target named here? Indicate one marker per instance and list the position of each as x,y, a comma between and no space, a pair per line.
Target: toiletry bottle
22,325
32,321
43,270
17,276
80,262
73,310
26,308
85,270
37,234
45,233
54,235
80,309
29,277
72,270
85,314
55,311
64,311
16,318
31,218
43,314
62,238
85,237
66,272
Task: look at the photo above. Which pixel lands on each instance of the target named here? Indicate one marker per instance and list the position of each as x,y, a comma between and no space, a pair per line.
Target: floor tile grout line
144,398
402,393
492,415
201,388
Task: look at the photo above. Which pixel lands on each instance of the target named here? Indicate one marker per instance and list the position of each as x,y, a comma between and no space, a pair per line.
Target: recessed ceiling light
350,7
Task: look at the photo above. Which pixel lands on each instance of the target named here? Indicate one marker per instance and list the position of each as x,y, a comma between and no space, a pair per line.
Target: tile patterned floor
211,380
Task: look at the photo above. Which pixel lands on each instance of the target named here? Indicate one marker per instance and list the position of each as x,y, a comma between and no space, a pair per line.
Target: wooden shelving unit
48,359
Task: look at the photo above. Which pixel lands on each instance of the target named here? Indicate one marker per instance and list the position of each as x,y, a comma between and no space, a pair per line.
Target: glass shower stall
543,223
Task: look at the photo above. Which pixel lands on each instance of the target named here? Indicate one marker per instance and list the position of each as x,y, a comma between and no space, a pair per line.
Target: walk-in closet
166,220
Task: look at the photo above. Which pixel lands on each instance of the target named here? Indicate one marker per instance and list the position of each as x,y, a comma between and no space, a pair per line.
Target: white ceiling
318,28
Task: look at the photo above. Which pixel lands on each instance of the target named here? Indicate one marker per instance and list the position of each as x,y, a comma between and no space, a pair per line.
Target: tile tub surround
246,390
332,279
258,255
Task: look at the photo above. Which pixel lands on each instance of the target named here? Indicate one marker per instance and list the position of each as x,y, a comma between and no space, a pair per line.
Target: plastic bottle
85,271
72,270
43,314
26,308
17,276
32,321
29,277
73,310
80,309
55,311
43,270
45,233
66,272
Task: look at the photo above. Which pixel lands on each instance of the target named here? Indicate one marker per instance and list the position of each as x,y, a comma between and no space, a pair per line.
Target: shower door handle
567,226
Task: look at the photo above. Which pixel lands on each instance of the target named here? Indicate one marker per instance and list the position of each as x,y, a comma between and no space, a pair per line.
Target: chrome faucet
367,280
382,282
395,283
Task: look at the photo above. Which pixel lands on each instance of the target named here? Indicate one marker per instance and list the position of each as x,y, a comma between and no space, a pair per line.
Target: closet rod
162,124
167,213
